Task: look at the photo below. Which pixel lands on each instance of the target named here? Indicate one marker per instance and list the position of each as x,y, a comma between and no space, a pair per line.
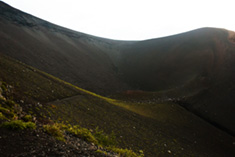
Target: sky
132,19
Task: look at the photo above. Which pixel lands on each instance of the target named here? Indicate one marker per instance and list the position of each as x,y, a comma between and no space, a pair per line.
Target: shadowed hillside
195,68
72,56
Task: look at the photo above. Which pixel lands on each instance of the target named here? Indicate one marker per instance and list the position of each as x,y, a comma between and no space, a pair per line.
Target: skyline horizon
114,32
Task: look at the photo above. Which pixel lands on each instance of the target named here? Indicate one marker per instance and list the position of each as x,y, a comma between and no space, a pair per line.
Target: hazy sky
132,19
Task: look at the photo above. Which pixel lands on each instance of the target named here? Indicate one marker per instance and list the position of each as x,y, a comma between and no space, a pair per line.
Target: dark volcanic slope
72,56
170,62
197,68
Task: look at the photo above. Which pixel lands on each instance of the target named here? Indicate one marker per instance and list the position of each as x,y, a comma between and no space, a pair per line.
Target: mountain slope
158,129
72,56
193,69
196,67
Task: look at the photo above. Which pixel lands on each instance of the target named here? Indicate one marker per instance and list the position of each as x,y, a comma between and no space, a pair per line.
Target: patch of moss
98,137
27,118
2,116
10,103
2,100
3,86
54,130
7,113
82,133
127,152
18,125
104,139
101,152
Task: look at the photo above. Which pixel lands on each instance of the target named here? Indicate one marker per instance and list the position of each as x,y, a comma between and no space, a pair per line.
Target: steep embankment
72,56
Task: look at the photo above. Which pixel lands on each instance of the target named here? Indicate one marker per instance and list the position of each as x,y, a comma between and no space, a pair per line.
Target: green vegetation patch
7,113
98,137
82,133
27,118
10,103
54,130
2,116
101,151
104,139
18,125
